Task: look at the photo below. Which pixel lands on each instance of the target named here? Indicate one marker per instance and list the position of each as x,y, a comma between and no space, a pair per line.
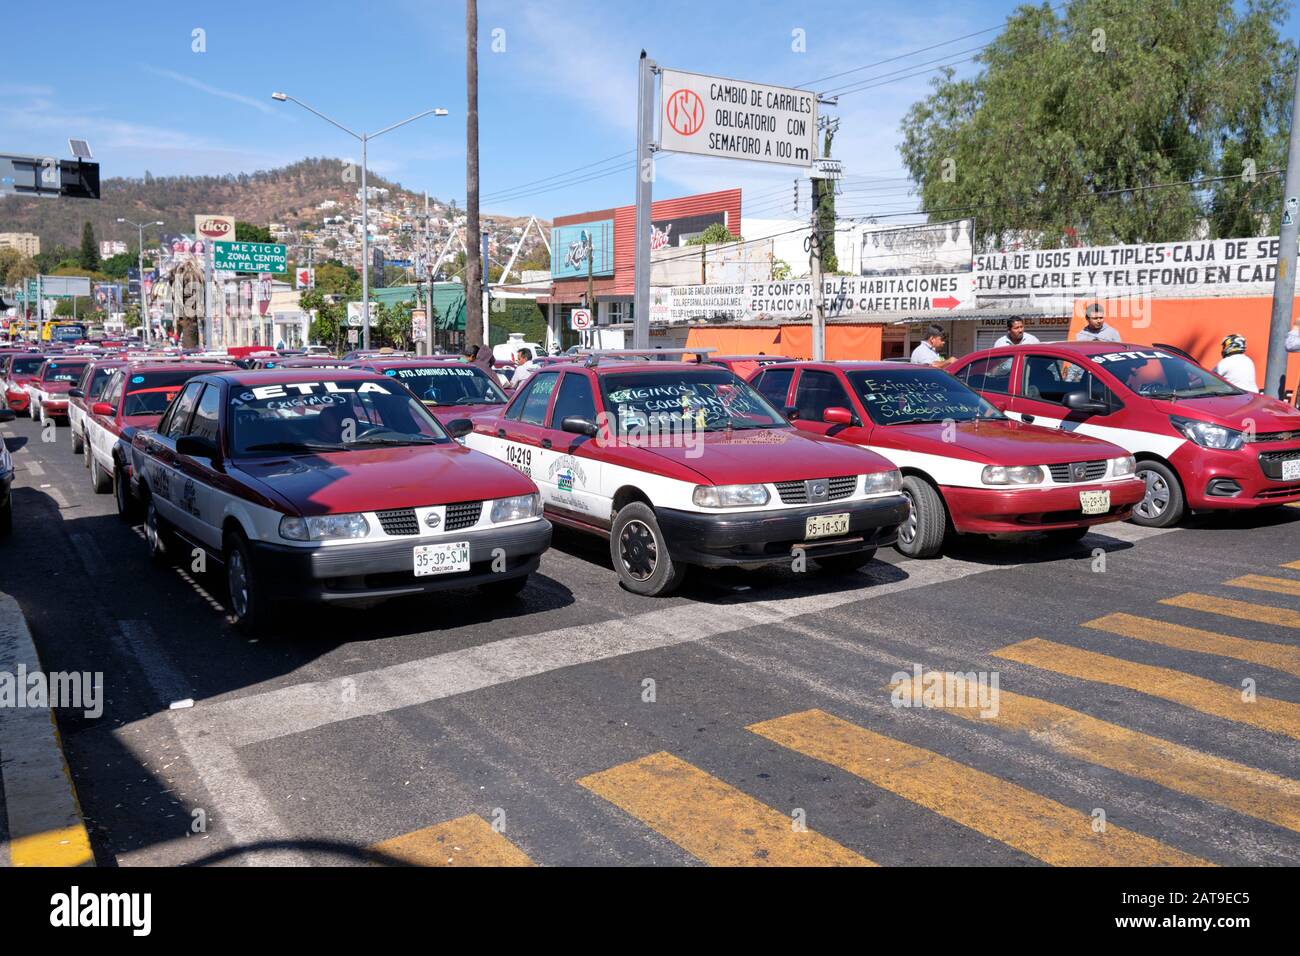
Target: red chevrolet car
85,393
49,390
966,467
449,388
334,486
1201,444
682,464
17,371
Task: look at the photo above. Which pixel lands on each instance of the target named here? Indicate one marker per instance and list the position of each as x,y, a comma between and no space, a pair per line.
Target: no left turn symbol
685,112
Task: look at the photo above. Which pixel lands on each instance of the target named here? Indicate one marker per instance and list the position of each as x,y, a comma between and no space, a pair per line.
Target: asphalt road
1147,712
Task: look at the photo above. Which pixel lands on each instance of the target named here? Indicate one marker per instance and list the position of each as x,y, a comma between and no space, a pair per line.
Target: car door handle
546,443
501,433
1027,419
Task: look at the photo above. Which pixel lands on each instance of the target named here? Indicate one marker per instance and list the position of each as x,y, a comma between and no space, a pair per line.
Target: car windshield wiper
295,446
384,440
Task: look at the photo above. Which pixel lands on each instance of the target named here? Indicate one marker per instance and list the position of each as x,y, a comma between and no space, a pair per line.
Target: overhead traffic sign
736,119
249,257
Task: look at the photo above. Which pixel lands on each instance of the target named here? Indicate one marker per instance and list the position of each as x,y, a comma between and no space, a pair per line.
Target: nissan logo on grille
1079,470
432,519
819,489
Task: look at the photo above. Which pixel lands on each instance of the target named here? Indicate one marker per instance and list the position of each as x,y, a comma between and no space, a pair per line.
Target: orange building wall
793,341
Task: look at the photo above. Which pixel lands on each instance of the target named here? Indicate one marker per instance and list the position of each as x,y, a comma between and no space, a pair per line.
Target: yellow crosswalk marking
1246,611
1293,565
1263,582
67,846
710,819
1020,818
1256,793
1278,716
1282,657
464,841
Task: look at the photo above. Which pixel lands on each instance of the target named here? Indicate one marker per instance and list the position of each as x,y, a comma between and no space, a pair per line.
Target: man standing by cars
1293,337
1096,329
1236,366
1016,334
927,353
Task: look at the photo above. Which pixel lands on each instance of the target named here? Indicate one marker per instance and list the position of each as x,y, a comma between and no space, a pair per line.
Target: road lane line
465,841
1281,657
1246,611
1256,793
34,468
710,819
1262,582
1276,716
1033,824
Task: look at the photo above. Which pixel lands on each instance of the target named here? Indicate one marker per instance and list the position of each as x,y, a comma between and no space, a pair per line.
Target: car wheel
156,534
98,480
640,552
847,563
505,589
78,444
922,531
1163,504
247,604
127,506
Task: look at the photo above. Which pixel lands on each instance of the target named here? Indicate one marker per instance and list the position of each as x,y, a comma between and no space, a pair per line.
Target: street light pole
139,263
364,139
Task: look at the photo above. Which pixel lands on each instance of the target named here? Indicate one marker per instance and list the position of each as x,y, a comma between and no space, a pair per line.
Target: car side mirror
459,427
790,412
1080,402
579,426
76,393
836,415
102,408
196,446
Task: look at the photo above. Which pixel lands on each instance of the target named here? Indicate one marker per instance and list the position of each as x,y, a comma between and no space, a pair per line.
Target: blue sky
560,95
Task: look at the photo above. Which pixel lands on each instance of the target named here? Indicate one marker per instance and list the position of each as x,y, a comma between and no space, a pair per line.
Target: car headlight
881,482
520,506
730,496
322,527
1012,475
1119,467
1207,434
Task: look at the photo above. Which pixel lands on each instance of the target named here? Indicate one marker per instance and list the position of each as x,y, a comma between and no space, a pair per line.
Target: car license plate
1094,502
1291,470
441,558
827,526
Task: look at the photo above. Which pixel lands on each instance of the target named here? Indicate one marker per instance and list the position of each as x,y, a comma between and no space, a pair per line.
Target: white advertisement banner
735,119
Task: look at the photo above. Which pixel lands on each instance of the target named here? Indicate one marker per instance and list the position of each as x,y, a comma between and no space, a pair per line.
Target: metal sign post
644,199
1284,284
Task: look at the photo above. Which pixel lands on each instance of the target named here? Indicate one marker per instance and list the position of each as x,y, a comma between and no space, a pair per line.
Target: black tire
639,551
1068,535
128,509
7,518
247,602
99,481
157,536
847,563
504,590
78,443
1164,503
922,532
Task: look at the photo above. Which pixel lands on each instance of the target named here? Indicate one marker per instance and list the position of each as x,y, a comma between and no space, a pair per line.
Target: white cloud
209,89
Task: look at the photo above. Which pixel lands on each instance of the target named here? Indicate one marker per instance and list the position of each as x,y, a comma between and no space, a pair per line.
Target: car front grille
1271,461
1064,474
463,515
400,521
796,492
1274,436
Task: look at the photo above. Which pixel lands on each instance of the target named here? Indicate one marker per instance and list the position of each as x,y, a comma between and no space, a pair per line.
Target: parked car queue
355,482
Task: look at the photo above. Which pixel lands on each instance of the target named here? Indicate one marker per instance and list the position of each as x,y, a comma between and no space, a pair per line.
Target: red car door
1042,383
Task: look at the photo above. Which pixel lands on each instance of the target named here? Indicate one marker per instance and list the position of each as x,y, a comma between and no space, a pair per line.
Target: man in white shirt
927,353
1096,329
1016,334
527,366
1293,337
1236,366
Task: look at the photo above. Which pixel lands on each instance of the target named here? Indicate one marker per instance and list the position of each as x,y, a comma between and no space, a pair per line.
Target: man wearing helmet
1236,366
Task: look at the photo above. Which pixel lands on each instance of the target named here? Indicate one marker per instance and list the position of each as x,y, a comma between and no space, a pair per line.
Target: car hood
1262,413
381,478
55,388
449,413
769,455
996,442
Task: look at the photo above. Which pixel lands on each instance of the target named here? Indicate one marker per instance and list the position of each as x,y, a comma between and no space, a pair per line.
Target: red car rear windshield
27,366
63,371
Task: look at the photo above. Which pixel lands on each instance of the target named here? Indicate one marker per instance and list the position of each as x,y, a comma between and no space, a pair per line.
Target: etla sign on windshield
249,257
735,119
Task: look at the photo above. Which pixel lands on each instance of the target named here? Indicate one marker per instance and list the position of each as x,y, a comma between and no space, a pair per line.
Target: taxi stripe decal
464,841
1245,610
1208,697
710,819
1262,582
1004,811
1256,793
1282,657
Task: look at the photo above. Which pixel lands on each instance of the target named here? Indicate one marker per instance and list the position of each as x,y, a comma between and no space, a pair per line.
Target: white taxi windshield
709,399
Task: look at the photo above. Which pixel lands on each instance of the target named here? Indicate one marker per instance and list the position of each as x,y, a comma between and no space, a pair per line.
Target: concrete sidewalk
40,818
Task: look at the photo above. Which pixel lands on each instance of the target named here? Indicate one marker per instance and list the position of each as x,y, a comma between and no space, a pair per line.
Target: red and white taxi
334,486
681,464
85,393
449,388
1200,443
17,371
49,390
966,467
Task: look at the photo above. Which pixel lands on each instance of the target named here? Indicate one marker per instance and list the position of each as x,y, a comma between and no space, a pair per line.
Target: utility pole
644,199
1284,283
818,301
475,331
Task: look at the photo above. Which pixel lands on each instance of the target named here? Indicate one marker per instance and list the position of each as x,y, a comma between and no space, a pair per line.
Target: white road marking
34,468
59,498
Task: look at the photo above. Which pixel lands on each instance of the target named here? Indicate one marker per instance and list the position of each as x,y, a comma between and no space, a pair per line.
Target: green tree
823,191
715,234
1075,115
248,232
88,257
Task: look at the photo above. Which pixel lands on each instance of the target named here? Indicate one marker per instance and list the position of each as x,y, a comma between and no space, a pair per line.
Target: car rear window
63,371
27,366
449,385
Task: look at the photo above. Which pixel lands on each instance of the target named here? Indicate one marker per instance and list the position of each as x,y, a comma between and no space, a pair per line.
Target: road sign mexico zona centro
736,119
249,257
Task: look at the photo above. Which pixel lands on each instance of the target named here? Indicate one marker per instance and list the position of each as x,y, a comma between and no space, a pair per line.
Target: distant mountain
287,195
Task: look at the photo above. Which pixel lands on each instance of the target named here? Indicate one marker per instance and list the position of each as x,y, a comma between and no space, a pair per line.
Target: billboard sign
572,247
736,119
931,248
304,278
214,228
354,315
682,229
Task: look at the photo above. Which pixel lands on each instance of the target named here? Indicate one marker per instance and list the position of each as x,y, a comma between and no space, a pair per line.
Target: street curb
45,826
